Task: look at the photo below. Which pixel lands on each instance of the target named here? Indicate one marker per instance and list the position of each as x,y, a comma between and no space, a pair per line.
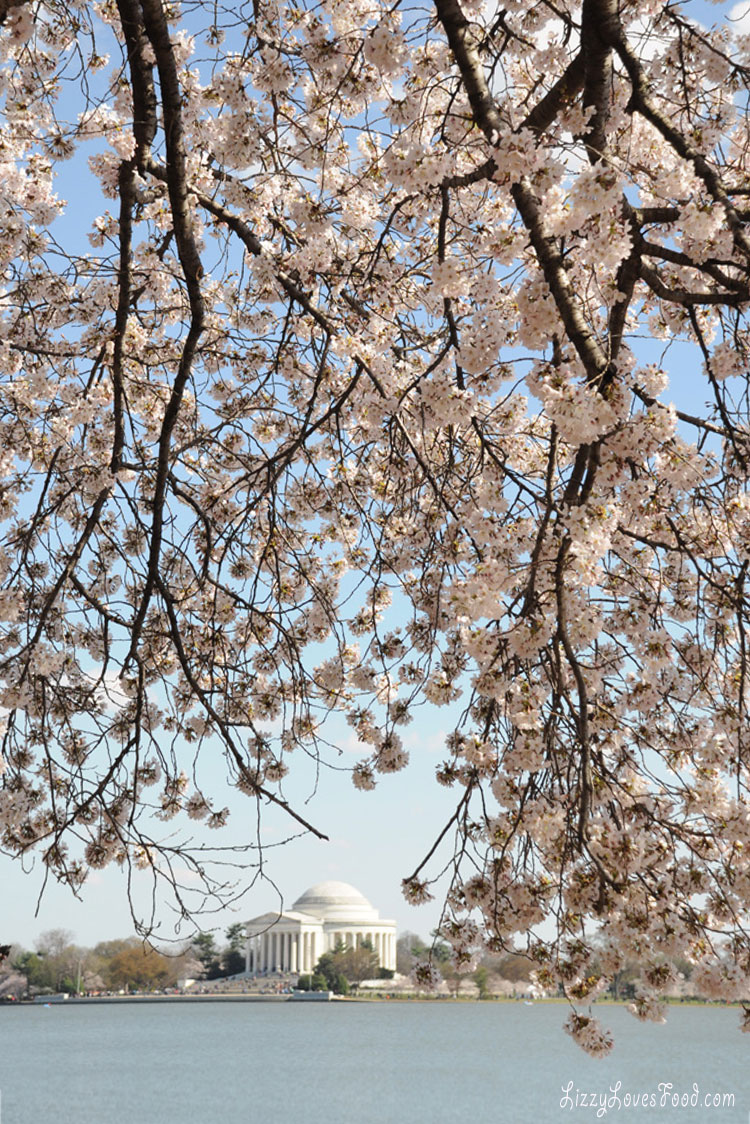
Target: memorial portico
326,915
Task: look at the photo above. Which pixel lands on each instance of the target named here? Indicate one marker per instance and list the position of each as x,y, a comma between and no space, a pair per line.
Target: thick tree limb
597,91
157,30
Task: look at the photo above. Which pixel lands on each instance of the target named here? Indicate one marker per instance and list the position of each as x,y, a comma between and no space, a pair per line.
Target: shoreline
254,997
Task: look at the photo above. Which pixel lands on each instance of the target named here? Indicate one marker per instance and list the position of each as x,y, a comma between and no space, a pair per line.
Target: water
357,1063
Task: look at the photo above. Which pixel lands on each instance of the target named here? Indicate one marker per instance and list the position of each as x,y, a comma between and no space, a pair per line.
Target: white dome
335,901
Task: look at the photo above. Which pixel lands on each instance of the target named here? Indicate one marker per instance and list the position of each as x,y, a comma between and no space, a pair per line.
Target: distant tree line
489,973
57,964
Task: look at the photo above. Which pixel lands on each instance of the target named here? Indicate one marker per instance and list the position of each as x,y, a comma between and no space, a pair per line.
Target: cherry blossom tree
386,356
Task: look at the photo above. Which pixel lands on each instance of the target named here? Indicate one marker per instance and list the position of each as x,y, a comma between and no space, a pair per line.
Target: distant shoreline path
210,998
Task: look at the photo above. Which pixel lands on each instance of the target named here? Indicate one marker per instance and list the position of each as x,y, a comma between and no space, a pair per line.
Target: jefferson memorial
327,914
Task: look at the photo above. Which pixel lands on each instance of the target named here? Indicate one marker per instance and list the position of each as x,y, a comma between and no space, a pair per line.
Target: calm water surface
357,1063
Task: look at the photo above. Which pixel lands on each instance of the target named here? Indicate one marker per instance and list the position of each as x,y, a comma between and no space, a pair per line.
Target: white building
327,914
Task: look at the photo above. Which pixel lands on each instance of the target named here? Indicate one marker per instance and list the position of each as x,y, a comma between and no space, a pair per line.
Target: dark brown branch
646,215
677,257
251,242
461,804
141,78
689,419
612,32
597,90
487,117
684,296
157,31
220,723
582,713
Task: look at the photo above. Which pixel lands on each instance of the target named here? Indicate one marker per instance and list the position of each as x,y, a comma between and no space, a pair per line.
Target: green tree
481,979
233,957
57,964
358,964
346,965
36,970
205,950
236,936
441,952
328,969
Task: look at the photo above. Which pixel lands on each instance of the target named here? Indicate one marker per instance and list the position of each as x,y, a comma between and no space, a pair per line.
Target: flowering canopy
343,381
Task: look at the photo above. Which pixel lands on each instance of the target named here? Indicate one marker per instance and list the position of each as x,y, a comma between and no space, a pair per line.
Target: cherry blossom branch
462,804
690,419
684,296
221,724
711,269
582,710
611,30
156,29
144,130
487,117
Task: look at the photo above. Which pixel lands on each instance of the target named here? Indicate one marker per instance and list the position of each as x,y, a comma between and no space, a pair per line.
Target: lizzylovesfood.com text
664,1096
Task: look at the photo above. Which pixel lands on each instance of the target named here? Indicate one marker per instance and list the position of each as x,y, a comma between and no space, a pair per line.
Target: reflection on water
362,1063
